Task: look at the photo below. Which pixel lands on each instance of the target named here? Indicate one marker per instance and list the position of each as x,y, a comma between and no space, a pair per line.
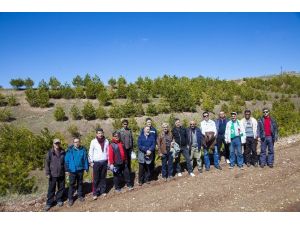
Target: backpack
117,154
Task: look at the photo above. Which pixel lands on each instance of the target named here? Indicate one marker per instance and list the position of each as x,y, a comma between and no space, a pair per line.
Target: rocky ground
251,189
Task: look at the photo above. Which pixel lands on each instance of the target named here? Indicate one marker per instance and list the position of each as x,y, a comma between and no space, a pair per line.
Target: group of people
223,137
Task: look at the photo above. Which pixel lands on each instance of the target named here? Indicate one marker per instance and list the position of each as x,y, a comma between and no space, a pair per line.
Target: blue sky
224,45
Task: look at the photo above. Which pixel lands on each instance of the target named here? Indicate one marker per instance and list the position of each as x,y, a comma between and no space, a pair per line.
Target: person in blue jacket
146,145
76,161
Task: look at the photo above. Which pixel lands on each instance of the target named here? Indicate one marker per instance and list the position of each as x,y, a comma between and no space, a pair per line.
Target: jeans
236,152
196,154
145,172
225,152
250,154
60,182
184,150
99,177
74,178
267,142
123,173
206,158
167,165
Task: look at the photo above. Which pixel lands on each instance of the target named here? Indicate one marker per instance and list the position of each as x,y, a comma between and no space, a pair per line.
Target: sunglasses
205,116
192,124
247,114
266,111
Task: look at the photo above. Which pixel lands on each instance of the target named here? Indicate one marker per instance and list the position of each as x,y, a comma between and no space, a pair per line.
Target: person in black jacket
55,172
180,136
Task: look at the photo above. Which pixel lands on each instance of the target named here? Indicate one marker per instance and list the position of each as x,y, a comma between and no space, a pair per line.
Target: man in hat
209,131
268,134
55,172
235,136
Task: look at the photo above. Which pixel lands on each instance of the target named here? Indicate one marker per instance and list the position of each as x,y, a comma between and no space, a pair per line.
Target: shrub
67,92
3,101
103,97
12,100
73,130
28,83
75,113
37,98
163,107
117,124
88,111
59,114
151,110
79,92
5,115
115,112
56,94
101,113
17,83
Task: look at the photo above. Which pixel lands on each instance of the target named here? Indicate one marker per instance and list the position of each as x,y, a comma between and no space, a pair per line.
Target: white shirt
96,153
208,126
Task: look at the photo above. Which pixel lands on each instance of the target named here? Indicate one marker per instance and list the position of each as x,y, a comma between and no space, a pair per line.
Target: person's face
99,134
206,117
76,142
192,124
266,112
116,137
149,123
177,123
125,125
147,131
222,115
165,129
247,115
233,117
56,145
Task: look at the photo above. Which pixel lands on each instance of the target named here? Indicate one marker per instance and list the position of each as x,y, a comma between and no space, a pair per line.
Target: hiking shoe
248,164
103,194
192,174
271,166
70,203
227,160
130,187
95,197
241,167
60,204
207,169
140,183
148,182
118,190
262,166
255,165
47,208
179,174
81,199
230,167
200,170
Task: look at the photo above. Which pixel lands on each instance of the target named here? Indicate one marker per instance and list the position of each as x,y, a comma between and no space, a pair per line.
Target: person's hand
48,176
160,154
172,144
91,164
67,173
148,152
258,139
111,167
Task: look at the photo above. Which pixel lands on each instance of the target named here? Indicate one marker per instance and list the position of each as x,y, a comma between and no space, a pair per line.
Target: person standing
209,131
126,138
268,135
98,156
117,159
164,141
76,162
180,135
250,125
194,144
221,127
55,172
235,136
146,145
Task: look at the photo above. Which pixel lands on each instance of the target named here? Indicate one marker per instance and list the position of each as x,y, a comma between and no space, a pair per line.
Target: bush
88,111
17,83
38,98
59,114
163,107
104,97
73,130
5,115
28,83
151,110
56,94
3,101
101,113
75,113
117,124
79,92
67,92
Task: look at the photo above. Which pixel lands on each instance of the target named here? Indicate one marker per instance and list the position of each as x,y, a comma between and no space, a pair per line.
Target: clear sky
224,45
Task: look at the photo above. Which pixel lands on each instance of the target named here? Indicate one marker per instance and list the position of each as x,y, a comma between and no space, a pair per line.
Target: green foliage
151,110
43,85
37,98
54,83
207,104
89,111
28,83
225,108
59,114
104,97
73,130
171,121
12,100
17,83
133,124
3,101
67,92
163,107
5,115
112,82
56,94
93,89
79,92
117,124
77,81
101,113
75,113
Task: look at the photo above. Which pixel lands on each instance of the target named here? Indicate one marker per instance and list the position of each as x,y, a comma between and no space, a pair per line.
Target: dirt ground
251,189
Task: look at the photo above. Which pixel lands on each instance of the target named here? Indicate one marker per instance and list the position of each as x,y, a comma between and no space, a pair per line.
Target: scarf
101,142
235,129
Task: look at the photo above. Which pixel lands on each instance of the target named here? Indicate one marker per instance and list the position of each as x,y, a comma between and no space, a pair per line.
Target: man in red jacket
117,160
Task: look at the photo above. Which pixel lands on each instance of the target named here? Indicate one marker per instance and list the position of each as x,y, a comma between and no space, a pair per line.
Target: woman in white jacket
250,124
235,136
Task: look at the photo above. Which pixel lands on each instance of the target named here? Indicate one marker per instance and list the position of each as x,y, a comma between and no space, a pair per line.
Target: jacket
254,125
153,131
76,159
218,123
189,137
208,126
112,157
96,153
228,131
145,144
122,134
55,165
180,136
261,129
161,143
